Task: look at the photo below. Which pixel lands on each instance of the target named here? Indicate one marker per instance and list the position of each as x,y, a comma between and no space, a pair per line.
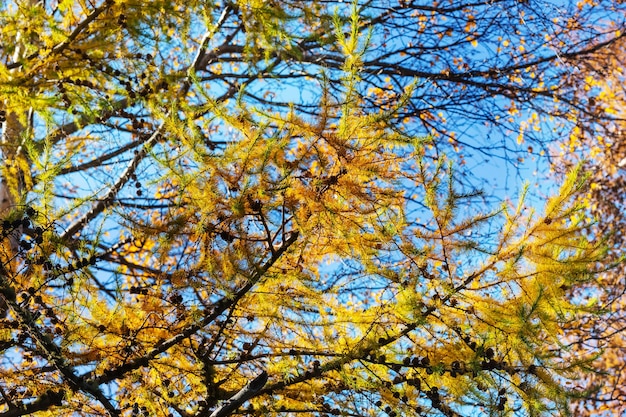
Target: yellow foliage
178,225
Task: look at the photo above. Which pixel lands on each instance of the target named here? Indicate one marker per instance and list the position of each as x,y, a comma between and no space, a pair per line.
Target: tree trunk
14,133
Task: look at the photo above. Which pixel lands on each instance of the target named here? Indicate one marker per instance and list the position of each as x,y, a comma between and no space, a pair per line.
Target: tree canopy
285,208
597,141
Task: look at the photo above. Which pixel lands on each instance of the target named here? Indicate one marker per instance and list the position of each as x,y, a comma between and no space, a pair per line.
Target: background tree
597,139
208,194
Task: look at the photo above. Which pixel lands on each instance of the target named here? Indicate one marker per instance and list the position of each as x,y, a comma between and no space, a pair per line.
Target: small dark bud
227,237
489,353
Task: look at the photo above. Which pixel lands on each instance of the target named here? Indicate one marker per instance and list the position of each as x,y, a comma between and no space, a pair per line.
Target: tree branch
106,201
59,48
218,308
241,397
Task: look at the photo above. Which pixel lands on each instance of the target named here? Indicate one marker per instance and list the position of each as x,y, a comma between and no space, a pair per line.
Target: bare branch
107,200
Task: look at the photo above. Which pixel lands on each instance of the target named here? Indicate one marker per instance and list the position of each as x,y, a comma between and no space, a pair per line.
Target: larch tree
271,208
597,139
